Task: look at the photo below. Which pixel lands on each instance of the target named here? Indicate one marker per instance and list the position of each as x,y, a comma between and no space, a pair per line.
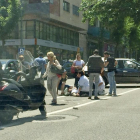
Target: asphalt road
78,118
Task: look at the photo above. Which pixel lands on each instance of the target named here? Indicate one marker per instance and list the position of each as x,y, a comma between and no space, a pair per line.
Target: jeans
112,82
91,78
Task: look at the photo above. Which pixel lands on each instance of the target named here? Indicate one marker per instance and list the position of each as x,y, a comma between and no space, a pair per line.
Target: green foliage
9,15
121,17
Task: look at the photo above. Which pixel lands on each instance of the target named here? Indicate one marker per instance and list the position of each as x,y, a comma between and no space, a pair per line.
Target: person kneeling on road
83,83
101,86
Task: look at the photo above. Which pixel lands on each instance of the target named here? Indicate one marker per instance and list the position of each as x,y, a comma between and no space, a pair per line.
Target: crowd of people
83,85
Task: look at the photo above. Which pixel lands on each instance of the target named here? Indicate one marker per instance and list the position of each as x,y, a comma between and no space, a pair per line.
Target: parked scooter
27,94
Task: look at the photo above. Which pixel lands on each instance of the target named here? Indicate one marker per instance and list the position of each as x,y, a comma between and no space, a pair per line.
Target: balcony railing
96,31
37,8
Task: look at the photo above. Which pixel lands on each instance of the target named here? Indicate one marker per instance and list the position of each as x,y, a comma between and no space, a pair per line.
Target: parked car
7,65
67,67
127,71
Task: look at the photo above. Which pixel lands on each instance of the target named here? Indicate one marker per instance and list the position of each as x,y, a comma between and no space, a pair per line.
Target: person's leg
54,86
93,92
114,84
49,86
58,85
110,79
96,84
91,77
62,87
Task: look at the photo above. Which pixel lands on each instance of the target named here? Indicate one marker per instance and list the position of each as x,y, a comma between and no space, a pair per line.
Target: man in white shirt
83,83
101,86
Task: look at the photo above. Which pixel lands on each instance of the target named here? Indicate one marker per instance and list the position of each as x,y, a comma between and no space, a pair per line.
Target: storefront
63,52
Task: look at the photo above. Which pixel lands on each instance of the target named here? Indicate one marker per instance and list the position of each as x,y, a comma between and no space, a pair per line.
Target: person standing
78,63
52,79
110,63
95,67
42,62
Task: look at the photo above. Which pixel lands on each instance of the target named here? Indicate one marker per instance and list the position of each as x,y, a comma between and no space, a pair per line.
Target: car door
119,72
131,72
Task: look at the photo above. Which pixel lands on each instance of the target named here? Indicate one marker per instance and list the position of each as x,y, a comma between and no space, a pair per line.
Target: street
78,118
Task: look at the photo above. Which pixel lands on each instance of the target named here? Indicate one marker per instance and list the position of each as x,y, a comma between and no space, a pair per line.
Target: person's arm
106,63
79,89
57,64
45,64
116,63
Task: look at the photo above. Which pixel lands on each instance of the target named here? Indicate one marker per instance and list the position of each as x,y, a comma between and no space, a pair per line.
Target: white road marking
94,101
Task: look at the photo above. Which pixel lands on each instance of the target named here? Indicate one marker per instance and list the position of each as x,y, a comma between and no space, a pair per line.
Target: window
66,6
75,10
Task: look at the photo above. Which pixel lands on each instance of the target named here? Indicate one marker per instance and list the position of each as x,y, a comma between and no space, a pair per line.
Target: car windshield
3,63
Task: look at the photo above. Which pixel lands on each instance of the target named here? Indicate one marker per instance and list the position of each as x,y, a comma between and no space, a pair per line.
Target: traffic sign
21,50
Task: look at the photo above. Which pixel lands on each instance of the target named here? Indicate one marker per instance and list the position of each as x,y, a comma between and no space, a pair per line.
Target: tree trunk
2,48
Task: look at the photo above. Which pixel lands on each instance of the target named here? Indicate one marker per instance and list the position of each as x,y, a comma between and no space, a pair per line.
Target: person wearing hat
42,62
110,63
95,68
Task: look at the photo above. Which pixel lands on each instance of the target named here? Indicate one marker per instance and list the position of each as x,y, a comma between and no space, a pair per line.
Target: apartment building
49,25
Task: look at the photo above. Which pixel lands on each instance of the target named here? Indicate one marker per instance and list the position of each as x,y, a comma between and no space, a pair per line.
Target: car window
129,64
120,64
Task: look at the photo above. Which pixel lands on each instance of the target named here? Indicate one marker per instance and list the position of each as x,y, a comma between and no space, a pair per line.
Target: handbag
54,69
72,69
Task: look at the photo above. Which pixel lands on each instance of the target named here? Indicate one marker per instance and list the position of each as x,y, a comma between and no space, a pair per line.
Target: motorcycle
26,94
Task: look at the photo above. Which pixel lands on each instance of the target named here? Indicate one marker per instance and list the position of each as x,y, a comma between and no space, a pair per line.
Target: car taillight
2,87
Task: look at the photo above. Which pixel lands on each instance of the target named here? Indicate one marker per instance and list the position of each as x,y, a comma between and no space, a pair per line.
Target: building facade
53,25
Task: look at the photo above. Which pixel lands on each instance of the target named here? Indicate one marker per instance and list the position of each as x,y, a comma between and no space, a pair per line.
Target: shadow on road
21,121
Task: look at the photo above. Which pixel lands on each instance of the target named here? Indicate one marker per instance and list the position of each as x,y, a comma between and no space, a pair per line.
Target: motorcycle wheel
6,115
42,110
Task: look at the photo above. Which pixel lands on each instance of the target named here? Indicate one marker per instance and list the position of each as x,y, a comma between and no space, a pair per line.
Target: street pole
21,26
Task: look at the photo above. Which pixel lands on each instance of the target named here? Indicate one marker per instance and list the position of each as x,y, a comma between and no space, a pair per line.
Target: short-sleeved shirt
84,83
111,65
79,63
42,63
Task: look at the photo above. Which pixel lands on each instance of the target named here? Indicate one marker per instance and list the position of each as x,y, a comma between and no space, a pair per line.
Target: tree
121,17
9,15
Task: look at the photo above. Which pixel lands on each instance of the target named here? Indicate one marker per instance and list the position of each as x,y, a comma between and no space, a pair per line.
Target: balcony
96,31
37,8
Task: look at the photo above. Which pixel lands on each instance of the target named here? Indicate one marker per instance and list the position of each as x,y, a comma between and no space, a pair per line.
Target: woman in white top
78,64
83,83
52,78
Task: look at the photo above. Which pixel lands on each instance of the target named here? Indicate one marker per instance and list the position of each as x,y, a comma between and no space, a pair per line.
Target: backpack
95,64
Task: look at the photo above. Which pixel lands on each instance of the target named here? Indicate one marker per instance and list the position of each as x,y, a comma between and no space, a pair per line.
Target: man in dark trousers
95,67
42,62
110,63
